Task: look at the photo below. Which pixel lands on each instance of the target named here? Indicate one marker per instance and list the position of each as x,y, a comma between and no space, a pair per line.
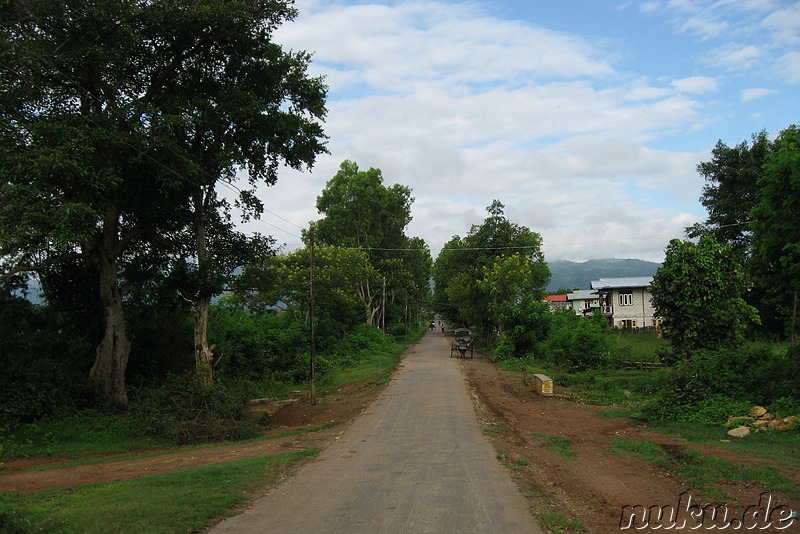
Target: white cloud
789,65
735,56
465,108
754,93
696,85
784,25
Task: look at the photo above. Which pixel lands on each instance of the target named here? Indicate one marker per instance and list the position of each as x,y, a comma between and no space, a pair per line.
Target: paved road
415,461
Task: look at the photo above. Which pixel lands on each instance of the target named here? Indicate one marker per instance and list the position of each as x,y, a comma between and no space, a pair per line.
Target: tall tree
360,212
474,275
699,293
776,222
244,104
115,125
729,193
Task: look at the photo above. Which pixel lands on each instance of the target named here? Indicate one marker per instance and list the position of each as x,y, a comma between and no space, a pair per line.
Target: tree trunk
112,353
203,357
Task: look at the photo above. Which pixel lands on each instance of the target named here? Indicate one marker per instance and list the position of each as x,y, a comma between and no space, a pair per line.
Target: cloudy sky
586,118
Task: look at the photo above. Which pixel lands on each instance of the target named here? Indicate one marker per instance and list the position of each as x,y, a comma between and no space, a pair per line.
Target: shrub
582,343
714,384
183,411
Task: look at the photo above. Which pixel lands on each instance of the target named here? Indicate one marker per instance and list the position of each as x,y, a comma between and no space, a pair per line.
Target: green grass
639,347
557,444
558,523
515,465
94,433
374,370
706,472
613,388
87,432
184,501
781,446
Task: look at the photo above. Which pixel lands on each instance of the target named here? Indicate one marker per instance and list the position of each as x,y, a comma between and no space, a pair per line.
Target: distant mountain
571,275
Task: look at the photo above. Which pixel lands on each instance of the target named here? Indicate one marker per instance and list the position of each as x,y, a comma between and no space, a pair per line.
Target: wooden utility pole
383,305
313,386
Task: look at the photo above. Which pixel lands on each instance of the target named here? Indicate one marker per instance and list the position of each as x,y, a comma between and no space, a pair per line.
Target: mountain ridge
578,275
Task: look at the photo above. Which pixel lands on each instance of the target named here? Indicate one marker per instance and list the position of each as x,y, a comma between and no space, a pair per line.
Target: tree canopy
776,220
117,119
699,293
480,277
359,211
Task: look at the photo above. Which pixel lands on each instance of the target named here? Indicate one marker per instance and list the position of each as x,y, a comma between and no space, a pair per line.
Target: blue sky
586,119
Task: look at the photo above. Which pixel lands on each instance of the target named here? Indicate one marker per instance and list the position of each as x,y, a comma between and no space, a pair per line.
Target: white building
627,302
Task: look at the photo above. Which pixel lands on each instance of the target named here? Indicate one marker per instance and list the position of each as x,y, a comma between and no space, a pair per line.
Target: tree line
121,121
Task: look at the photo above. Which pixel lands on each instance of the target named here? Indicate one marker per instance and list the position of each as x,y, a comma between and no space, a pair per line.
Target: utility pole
313,385
383,305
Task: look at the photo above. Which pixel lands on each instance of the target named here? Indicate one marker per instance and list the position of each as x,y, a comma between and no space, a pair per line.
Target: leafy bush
784,406
581,343
45,364
714,384
364,341
183,411
252,346
527,325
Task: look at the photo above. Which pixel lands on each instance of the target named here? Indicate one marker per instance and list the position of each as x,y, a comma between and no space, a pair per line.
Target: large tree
776,223
116,122
729,194
359,211
699,293
478,278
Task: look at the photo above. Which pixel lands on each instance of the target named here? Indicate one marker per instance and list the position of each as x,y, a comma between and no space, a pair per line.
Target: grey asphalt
415,461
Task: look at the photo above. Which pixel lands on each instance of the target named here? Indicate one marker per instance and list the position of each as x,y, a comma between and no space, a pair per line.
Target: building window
626,299
628,324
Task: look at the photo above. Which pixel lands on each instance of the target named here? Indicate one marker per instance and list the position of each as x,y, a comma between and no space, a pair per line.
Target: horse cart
462,342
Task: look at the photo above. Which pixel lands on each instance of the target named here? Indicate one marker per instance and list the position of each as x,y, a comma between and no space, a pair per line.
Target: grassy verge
782,447
558,523
184,501
708,473
557,444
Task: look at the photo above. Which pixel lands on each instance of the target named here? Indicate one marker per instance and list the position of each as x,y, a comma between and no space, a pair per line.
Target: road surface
415,461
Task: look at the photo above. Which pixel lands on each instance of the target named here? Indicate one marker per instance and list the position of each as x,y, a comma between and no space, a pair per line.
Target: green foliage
698,292
259,346
730,191
112,147
362,213
183,411
363,343
776,225
580,343
480,278
82,433
44,363
527,326
715,384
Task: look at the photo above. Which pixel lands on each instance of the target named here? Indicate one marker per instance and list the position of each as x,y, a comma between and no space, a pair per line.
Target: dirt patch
587,481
